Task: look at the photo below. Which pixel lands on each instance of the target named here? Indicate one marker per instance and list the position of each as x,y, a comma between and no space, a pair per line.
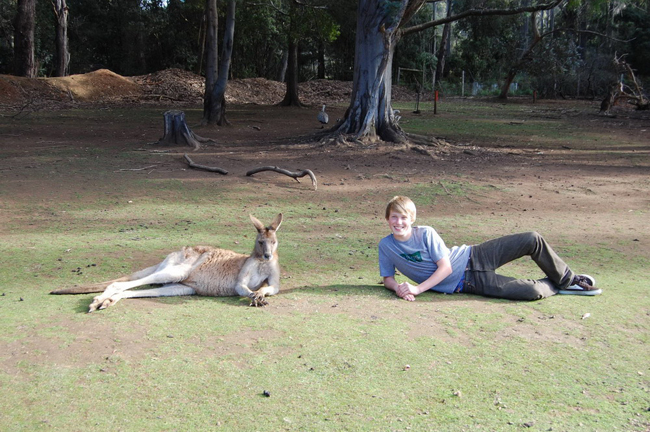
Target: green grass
204,363
332,349
514,124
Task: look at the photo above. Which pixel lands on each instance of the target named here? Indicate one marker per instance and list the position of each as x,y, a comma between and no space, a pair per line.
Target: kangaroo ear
259,225
275,225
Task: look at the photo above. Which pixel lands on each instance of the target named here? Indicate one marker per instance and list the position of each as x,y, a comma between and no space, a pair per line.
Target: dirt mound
98,86
175,86
21,91
255,91
101,84
183,86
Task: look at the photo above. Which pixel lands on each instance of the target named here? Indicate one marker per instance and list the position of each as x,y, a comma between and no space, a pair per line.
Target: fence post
435,102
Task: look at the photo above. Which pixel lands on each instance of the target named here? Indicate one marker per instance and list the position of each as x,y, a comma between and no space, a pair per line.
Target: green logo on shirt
414,257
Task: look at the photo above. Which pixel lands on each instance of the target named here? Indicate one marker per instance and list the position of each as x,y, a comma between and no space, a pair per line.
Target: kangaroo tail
88,288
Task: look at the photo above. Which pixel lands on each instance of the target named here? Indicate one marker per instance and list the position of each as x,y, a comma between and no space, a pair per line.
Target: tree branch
294,175
480,12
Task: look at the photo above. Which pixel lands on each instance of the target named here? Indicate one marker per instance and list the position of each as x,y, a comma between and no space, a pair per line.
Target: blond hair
402,205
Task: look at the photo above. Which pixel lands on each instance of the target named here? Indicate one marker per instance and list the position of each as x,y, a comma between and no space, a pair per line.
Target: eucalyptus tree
7,12
303,20
214,109
380,26
24,25
211,45
62,63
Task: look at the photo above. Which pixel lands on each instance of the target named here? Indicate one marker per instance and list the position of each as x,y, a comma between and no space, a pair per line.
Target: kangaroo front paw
257,300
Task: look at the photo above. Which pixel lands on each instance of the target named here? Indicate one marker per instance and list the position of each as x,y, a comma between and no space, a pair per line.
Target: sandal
582,285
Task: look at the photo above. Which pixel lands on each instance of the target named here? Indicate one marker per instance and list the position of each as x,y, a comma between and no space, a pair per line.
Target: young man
420,254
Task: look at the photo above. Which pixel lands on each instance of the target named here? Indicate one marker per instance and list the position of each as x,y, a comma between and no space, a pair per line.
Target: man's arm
391,284
404,289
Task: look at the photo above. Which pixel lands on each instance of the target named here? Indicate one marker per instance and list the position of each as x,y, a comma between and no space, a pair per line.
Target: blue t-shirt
416,258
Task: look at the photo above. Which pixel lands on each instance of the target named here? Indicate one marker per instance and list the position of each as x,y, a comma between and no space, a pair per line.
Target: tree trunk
292,96
62,62
321,60
177,132
216,113
24,23
525,57
370,115
443,49
283,66
507,82
211,57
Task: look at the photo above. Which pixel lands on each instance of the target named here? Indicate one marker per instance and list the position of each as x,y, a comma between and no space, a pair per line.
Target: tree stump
177,132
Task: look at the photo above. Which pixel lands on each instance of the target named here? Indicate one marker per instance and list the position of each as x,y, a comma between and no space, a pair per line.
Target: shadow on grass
333,291
378,291
84,301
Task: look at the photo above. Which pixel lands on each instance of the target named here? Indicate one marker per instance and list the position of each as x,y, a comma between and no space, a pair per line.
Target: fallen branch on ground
139,169
191,164
291,174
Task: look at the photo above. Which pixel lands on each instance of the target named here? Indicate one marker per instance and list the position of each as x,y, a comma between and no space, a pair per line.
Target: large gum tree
216,82
380,26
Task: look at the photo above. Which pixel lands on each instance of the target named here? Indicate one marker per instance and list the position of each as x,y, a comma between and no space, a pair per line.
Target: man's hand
406,291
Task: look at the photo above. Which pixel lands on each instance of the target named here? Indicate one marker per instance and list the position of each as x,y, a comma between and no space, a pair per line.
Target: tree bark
442,50
292,96
211,56
321,60
283,66
177,132
370,115
216,112
24,23
62,62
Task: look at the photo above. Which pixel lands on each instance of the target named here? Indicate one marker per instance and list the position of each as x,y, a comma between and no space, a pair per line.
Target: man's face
400,225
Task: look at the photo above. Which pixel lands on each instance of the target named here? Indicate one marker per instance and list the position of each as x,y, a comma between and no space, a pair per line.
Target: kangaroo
201,270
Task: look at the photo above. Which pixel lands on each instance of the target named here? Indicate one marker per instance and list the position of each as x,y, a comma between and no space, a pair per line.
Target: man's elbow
448,270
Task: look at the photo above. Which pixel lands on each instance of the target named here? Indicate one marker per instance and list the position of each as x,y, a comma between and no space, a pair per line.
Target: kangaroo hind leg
175,268
167,290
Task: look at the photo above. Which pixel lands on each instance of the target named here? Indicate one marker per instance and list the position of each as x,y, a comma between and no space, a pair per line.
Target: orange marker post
435,102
